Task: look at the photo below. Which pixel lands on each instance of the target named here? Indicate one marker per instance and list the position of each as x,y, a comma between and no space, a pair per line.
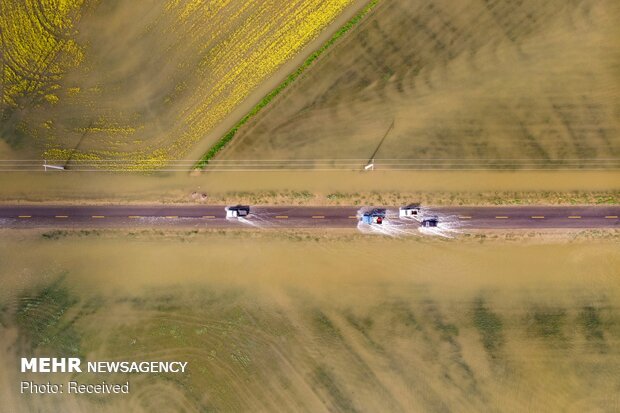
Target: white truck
237,211
410,211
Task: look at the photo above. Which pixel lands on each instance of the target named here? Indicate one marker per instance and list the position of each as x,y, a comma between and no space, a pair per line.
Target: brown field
497,326
460,81
334,187
139,81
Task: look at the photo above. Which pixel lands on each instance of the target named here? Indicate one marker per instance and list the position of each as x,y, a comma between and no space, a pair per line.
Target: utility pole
370,166
55,167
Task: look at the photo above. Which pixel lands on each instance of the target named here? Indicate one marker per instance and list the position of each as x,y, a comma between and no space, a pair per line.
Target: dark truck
429,222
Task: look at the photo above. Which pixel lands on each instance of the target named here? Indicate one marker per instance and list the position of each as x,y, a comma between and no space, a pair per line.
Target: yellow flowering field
37,48
141,82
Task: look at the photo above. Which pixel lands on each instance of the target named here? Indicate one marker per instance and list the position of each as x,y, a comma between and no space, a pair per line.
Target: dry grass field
139,81
317,188
468,80
362,325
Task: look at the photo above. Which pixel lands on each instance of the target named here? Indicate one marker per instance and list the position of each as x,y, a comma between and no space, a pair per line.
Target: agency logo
51,365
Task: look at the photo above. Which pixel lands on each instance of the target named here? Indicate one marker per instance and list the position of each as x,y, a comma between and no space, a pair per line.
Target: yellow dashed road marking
611,216
352,216
172,216
574,217
98,216
25,216
134,216
318,216
61,216
209,216
501,217
464,217
538,217
281,216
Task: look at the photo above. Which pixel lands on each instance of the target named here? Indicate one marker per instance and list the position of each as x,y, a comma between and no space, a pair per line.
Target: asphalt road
29,216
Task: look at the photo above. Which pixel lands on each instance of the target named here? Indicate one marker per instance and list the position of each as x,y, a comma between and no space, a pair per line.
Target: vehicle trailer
409,211
237,211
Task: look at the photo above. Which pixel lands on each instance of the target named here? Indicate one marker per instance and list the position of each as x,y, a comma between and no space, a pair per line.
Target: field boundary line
224,140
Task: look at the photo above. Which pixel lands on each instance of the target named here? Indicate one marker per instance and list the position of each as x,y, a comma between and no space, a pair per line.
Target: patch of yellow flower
259,37
225,50
240,45
37,47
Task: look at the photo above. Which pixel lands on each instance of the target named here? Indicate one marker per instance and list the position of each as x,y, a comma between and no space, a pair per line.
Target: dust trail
448,227
252,220
247,221
395,226
6,222
437,231
389,228
161,221
392,226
